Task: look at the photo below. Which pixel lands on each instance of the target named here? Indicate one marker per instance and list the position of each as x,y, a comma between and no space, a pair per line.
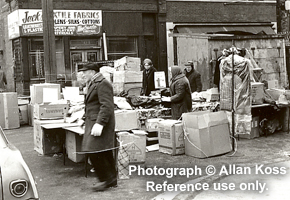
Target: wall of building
220,11
5,44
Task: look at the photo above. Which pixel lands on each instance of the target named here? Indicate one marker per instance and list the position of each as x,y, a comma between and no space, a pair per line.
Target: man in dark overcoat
148,77
99,137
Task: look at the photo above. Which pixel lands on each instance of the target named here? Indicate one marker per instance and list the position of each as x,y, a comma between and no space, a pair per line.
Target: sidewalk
252,186
58,181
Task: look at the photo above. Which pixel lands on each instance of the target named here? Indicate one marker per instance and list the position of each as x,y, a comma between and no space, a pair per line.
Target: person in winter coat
193,77
148,77
180,92
99,138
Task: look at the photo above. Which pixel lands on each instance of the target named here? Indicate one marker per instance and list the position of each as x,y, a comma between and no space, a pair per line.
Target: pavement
259,169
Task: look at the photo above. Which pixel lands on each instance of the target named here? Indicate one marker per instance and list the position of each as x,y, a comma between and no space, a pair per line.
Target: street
58,181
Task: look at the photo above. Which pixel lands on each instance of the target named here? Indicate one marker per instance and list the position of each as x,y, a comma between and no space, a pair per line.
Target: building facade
132,28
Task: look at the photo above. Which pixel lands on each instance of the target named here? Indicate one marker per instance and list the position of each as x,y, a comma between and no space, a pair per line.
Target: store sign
66,22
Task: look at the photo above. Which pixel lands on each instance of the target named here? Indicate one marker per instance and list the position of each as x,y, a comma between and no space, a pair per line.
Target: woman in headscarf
180,92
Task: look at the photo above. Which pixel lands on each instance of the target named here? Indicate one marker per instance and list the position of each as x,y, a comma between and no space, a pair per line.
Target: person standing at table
180,92
148,77
99,138
193,77
3,81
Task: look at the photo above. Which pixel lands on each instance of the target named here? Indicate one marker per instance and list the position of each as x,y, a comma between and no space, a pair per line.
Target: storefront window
119,47
36,58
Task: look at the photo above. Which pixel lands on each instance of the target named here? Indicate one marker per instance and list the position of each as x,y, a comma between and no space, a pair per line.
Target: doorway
80,56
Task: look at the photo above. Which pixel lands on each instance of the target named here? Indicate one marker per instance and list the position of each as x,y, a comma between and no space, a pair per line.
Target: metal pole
233,101
105,46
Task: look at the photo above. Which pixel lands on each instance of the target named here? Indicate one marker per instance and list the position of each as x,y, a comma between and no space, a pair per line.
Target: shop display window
36,57
119,47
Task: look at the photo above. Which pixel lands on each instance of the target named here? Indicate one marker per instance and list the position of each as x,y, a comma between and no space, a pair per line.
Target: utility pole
49,41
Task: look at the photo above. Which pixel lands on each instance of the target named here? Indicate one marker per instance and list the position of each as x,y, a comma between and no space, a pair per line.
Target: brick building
133,27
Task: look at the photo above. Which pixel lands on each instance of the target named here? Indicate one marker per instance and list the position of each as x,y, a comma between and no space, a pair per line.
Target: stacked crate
47,141
127,76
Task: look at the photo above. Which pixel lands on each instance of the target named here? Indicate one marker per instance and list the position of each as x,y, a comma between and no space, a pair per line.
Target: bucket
23,114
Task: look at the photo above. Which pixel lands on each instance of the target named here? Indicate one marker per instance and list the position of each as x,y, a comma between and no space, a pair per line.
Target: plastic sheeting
242,91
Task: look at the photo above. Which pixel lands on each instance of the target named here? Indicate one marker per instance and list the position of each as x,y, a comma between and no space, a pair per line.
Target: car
16,180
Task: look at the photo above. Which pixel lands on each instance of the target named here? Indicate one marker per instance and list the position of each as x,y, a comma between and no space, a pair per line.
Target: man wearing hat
148,77
193,77
99,137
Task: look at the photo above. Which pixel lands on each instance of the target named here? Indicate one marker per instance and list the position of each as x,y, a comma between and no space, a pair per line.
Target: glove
97,129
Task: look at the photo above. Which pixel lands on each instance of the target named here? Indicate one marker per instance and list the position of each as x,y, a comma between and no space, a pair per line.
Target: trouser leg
104,165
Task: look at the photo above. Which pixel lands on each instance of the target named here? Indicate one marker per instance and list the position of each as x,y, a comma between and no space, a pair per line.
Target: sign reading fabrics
66,22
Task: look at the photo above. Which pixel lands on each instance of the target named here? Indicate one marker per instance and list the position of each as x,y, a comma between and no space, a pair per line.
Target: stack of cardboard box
47,141
127,76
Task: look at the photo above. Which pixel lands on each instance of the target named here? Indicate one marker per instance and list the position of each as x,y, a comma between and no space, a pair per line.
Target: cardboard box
128,87
9,110
127,77
152,124
127,63
136,145
206,134
257,92
211,95
50,111
126,120
171,137
48,141
273,84
37,94
254,129
73,144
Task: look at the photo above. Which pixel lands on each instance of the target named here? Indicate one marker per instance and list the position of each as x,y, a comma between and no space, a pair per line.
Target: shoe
100,186
112,183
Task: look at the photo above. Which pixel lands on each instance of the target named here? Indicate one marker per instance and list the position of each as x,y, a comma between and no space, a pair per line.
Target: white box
127,76
73,144
206,133
36,92
171,137
152,124
9,111
127,63
126,120
50,111
48,141
135,145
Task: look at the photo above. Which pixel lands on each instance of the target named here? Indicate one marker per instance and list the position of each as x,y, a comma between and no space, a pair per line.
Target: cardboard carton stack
128,134
127,76
44,111
151,126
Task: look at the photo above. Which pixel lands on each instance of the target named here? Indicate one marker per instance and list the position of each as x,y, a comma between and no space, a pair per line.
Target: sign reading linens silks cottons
25,22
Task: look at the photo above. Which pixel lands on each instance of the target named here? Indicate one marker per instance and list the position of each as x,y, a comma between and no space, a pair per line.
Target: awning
211,29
